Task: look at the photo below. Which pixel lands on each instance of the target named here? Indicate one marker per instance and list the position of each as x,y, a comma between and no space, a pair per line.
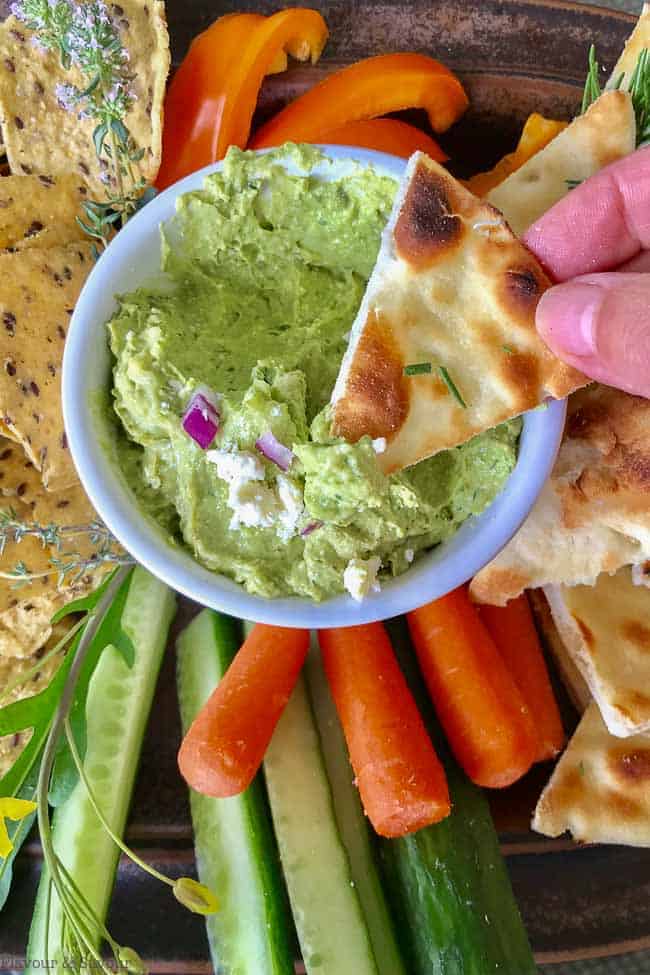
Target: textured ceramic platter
514,57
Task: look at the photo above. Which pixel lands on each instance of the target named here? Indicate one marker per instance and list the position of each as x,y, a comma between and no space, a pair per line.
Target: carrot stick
513,630
225,744
485,718
401,782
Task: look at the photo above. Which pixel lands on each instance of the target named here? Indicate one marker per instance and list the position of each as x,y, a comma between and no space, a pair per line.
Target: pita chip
444,345
605,133
637,42
40,211
38,291
571,677
593,514
606,631
41,136
600,789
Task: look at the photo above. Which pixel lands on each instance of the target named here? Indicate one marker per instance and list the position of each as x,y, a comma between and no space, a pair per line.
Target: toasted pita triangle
600,789
606,631
571,676
593,514
606,132
453,288
638,40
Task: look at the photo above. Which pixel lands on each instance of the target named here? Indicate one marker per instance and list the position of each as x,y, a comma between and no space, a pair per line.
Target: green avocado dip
266,271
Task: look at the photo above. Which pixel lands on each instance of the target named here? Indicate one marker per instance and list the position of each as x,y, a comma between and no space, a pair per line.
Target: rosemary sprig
67,565
86,38
638,86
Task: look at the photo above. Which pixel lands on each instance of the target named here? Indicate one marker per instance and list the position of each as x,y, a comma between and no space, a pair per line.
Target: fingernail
567,315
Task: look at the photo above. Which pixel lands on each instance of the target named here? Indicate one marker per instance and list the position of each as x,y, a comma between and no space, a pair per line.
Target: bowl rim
445,567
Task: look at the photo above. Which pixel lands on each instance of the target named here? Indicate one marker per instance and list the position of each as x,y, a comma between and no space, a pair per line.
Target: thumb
600,323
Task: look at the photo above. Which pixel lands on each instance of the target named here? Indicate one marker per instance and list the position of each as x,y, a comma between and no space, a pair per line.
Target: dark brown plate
514,57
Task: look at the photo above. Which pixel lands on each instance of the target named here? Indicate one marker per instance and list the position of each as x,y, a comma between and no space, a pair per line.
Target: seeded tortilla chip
444,345
600,789
593,514
19,478
26,627
42,137
40,211
605,133
38,291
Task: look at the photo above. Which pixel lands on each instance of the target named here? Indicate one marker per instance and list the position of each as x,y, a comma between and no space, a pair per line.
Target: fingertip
566,318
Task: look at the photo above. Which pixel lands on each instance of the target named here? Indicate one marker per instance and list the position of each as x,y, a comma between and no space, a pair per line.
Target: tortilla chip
571,676
606,630
40,211
14,666
600,789
606,132
593,515
637,42
38,290
19,478
42,137
453,288
27,626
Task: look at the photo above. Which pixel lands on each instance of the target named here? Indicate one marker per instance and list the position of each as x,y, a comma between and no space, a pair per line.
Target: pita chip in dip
444,345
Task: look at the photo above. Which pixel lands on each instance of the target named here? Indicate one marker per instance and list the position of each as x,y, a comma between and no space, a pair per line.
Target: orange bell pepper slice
212,96
376,86
384,135
536,133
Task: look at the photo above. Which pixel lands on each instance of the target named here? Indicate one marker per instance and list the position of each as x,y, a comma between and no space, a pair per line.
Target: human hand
597,240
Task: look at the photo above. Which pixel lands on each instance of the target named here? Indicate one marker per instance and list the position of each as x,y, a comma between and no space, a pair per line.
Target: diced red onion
201,420
311,527
271,448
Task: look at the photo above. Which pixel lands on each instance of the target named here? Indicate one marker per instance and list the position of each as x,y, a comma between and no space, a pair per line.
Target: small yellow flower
195,896
15,810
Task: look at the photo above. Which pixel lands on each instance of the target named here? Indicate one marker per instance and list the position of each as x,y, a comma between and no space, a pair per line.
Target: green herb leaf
592,89
452,387
109,633
418,369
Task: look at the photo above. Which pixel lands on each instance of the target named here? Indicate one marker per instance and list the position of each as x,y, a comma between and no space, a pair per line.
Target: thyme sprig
69,566
86,38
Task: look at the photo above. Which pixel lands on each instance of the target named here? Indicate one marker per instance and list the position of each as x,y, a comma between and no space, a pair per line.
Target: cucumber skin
356,835
448,883
217,637
78,837
329,920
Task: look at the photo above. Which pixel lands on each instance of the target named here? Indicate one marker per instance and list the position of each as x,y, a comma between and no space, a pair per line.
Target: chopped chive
508,349
572,183
417,369
452,387
581,767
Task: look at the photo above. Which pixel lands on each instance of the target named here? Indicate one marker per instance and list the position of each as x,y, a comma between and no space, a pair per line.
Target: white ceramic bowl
132,259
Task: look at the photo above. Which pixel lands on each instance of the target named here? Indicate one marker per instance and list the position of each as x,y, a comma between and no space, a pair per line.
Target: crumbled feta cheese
253,502
409,555
379,445
360,577
292,504
238,465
